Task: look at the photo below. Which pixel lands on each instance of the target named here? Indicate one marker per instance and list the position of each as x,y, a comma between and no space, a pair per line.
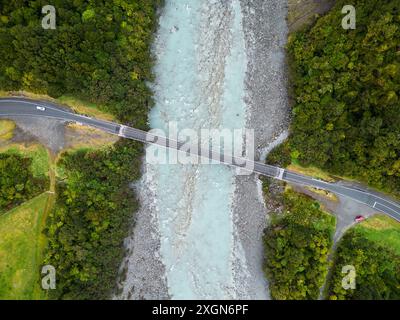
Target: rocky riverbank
267,113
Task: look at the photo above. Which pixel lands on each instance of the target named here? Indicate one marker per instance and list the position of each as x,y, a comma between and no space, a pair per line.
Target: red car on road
359,218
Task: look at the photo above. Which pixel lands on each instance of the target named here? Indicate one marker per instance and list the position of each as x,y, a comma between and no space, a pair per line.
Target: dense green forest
346,114
91,219
17,182
99,52
296,247
377,270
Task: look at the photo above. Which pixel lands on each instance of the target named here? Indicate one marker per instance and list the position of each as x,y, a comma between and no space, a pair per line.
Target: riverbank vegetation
346,85
296,244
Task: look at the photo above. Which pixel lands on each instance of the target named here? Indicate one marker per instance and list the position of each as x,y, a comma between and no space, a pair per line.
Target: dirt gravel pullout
48,132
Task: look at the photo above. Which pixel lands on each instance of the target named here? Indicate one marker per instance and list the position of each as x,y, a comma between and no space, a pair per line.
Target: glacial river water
200,73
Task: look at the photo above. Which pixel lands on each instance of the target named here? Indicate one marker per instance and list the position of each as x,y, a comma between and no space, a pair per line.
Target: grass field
6,129
383,230
21,239
21,249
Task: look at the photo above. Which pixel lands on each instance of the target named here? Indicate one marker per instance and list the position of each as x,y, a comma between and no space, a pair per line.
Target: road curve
21,107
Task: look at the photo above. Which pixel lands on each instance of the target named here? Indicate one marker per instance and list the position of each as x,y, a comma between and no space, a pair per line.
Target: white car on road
40,108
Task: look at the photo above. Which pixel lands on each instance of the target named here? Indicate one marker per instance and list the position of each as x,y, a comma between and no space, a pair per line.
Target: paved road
14,107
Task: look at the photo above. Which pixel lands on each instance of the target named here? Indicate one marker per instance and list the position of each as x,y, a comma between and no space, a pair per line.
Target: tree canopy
346,90
99,52
377,270
296,247
92,217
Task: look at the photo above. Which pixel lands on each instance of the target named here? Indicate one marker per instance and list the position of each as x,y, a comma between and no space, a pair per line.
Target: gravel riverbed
144,270
267,113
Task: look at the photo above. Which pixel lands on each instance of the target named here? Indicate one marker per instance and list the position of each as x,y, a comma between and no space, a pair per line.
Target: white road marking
121,131
280,175
387,207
